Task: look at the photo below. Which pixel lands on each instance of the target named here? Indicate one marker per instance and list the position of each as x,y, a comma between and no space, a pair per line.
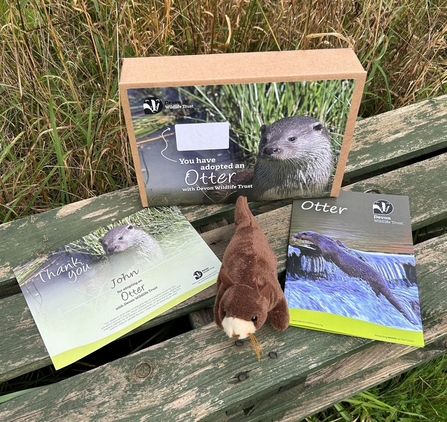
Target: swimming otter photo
338,254
295,159
131,238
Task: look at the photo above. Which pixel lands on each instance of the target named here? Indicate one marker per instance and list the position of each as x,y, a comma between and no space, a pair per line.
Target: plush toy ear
224,278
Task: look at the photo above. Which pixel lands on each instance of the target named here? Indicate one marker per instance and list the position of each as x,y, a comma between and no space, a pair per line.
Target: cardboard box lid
271,66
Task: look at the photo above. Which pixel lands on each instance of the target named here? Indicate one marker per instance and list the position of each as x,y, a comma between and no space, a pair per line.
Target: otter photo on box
283,140
295,159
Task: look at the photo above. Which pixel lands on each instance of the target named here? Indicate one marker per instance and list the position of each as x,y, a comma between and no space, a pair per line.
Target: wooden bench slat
339,381
202,372
425,183
21,347
188,377
397,136
381,140
427,206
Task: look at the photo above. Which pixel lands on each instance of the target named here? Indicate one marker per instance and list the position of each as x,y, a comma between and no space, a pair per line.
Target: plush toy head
248,291
242,309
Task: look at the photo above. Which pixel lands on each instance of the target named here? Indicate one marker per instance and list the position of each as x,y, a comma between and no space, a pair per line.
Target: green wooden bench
202,374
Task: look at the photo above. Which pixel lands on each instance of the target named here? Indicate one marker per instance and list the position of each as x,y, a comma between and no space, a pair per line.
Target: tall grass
62,132
419,395
249,106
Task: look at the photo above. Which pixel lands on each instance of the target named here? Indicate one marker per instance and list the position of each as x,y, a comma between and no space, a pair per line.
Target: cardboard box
270,125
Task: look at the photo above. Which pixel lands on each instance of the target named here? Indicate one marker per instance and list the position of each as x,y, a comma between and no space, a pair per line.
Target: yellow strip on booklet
72,355
338,324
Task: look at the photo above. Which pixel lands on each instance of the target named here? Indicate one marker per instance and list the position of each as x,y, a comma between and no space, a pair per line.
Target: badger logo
198,275
383,207
152,105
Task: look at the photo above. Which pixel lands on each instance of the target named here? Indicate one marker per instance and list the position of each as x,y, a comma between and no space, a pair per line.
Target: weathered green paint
397,136
425,183
334,383
21,346
195,376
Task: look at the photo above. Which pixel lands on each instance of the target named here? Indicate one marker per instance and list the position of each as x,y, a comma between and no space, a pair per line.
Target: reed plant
62,134
62,131
249,106
418,395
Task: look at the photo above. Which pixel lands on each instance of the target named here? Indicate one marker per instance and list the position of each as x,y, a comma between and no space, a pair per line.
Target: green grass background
63,137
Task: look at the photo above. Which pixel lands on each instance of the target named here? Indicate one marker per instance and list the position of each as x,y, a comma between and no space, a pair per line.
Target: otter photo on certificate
351,268
266,141
100,287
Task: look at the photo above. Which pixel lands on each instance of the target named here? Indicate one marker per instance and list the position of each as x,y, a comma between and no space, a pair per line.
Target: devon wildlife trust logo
153,105
382,207
198,275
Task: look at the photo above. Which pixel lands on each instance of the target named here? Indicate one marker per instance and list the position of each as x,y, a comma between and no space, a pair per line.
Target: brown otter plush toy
248,291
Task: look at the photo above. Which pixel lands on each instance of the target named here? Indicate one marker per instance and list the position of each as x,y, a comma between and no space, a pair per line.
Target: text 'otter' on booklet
94,290
351,268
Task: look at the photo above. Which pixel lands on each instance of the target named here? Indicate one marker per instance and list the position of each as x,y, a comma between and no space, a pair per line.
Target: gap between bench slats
202,375
22,350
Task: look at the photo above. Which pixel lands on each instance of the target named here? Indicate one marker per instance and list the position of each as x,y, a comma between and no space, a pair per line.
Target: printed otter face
322,243
306,235
117,239
292,138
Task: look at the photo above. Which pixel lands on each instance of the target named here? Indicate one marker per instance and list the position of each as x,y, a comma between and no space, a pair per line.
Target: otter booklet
351,268
100,287
205,129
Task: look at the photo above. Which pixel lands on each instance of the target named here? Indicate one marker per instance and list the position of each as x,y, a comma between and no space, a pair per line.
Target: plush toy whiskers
248,291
